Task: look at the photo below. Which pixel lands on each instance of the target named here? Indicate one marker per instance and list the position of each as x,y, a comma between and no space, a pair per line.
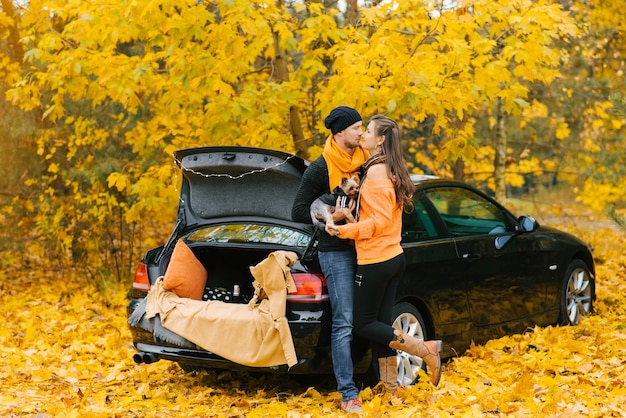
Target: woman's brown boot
427,350
388,368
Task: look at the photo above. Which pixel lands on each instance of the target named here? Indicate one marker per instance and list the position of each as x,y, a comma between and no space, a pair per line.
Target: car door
430,274
501,285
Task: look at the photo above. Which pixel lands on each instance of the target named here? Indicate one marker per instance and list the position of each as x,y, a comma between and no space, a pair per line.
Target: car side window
467,213
417,225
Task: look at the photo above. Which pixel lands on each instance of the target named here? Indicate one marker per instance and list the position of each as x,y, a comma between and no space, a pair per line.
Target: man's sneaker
353,405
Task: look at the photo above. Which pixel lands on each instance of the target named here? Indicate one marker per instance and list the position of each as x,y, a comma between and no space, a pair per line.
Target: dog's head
350,186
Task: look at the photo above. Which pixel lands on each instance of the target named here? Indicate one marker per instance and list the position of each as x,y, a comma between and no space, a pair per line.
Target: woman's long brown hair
396,166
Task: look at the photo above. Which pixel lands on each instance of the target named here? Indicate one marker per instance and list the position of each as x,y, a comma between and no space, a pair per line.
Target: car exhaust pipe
150,358
147,358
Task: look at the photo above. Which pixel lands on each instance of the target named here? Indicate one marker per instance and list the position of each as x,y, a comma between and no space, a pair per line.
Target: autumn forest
525,99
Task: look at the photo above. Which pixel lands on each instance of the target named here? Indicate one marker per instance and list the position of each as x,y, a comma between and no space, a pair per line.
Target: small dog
322,208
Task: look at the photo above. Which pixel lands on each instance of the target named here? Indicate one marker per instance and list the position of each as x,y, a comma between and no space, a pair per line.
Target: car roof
423,178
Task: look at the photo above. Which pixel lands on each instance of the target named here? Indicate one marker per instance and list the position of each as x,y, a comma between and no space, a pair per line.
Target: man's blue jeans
339,268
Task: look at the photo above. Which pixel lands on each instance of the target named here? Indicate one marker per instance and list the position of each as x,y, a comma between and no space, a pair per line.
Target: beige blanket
256,334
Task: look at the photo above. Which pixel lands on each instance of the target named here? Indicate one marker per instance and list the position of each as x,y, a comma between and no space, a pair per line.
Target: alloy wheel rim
578,295
408,364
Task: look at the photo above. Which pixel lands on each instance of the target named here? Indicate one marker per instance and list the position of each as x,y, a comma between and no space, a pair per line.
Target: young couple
363,261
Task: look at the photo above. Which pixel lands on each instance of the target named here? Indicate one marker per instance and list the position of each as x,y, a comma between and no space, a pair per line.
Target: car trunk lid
237,181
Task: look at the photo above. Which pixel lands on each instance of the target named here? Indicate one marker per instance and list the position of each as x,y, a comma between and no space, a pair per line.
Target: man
342,157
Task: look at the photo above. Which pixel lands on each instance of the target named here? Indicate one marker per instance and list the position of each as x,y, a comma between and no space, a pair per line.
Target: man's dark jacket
313,185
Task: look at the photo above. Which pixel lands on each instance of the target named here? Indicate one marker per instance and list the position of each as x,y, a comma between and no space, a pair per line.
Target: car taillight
309,288
141,281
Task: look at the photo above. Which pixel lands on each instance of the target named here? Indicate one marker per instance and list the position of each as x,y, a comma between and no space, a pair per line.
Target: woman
386,190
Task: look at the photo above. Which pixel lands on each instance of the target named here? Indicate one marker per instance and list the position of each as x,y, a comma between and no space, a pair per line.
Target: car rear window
250,233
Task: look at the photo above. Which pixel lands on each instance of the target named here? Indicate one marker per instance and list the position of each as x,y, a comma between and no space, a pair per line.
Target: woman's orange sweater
378,232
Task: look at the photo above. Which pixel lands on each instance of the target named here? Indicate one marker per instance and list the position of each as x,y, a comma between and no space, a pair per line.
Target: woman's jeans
339,268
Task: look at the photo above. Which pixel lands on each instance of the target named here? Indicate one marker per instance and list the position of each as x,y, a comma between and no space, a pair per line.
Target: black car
474,271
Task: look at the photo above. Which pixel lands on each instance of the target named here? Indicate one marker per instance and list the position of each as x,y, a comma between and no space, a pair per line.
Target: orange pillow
185,275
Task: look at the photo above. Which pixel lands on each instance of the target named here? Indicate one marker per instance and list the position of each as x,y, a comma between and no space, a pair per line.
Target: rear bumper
309,329
204,359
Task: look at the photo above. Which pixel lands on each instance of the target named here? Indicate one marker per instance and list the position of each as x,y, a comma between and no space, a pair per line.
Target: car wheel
577,294
408,320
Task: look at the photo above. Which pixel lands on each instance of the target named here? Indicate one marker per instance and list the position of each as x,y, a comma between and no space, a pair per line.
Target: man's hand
341,212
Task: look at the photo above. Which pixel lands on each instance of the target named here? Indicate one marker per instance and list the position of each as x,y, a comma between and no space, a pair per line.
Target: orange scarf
340,163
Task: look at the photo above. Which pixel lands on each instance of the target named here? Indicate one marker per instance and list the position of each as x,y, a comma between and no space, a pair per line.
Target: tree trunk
282,74
15,50
352,12
500,159
458,169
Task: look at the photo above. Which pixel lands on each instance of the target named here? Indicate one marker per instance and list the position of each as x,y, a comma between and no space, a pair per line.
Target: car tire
407,319
577,294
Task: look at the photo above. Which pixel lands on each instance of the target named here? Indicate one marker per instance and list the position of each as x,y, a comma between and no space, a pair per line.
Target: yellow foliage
120,87
67,352
562,131
596,196
119,181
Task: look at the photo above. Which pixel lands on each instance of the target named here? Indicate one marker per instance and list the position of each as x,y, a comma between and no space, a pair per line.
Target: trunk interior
227,267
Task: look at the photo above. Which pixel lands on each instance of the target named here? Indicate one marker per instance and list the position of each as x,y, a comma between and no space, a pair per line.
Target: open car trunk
308,314
228,267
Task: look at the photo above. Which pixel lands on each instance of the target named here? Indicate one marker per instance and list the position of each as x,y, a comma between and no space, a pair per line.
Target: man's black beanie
340,118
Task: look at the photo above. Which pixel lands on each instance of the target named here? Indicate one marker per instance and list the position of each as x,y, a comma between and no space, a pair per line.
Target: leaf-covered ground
66,351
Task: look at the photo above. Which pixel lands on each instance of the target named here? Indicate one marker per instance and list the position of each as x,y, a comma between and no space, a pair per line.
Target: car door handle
471,256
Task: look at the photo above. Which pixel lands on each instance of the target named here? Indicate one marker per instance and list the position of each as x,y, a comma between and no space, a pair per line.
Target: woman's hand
332,230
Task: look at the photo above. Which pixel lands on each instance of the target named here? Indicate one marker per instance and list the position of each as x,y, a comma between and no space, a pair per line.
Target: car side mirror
527,224
502,240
